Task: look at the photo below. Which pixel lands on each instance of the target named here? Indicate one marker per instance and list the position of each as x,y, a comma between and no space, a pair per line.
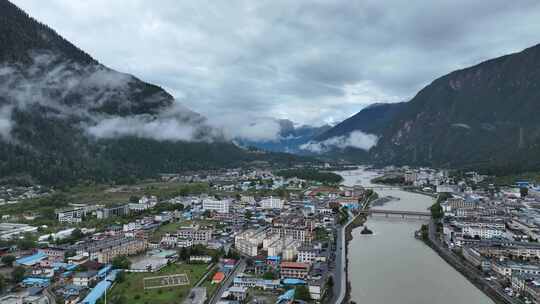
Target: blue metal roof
287,296
98,291
103,271
293,282
31,259
35,281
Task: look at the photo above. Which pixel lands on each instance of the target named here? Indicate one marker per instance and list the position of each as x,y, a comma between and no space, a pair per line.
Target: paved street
228,281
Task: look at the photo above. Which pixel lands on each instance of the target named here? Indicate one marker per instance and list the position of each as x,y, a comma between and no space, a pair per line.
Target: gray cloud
309,61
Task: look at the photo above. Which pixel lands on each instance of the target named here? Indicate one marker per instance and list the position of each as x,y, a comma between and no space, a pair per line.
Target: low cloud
5,122
355,139
144,126
107,104
238,126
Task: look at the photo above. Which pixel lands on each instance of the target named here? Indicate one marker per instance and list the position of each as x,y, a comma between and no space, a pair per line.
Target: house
71,216
196,296
85,279
294,270
118,210
218,277
238,292
219,206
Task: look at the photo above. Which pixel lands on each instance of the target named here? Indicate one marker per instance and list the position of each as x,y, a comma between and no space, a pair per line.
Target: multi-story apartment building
187,237
219,206
307,255
294,270
106,212
484,230
104,251
296,227
272,203
248,242
71,216
509,269
197,235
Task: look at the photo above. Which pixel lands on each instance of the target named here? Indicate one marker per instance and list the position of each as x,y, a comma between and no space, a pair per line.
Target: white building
272,203
482,231
71,216
219,206
248,241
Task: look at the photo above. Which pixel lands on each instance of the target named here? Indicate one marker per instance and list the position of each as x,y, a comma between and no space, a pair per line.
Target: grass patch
132,287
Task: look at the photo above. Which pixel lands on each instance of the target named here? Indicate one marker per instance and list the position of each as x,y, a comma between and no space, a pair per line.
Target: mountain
290,138
484,116
66,118
371,119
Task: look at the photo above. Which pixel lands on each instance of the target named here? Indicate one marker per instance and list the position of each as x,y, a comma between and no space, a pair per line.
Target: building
483,231
104,251
85,279
197,295
119,210
248,242
294,270
12,230
295,227
145,203
196,235
307,255
219,206
71,216
509,269
474,257
272,203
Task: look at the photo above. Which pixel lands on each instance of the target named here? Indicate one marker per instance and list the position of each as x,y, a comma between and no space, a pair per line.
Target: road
228,281
340,273
466,268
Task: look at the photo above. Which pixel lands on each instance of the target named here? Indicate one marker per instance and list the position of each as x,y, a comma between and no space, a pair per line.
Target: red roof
218,277
294,265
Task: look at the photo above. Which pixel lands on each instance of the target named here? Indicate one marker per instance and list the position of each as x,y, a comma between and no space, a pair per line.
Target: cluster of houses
497,231
286,240
15,194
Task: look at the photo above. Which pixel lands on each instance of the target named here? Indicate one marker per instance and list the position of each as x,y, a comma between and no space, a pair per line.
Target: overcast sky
308,61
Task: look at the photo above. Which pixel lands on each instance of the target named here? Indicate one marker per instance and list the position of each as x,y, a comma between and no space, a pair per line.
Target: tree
17,275
8,260
2,283
133,199
121,262
330,282
184,254
248,215
269,275
302,293
120,277
77,234
523,191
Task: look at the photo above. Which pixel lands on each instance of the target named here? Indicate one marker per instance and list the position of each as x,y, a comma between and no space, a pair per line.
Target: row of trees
312,175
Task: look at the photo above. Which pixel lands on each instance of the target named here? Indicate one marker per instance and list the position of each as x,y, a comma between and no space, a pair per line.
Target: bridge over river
397,213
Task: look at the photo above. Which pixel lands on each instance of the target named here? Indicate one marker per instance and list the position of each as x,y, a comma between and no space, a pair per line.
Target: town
232,236
486,229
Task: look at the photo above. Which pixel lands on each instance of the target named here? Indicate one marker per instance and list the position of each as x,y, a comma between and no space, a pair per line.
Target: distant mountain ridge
371,119
290,138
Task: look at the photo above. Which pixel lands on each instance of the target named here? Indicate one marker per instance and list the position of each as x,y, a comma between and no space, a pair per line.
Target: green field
131,290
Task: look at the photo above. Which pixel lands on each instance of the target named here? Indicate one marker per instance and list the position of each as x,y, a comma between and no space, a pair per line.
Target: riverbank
357,221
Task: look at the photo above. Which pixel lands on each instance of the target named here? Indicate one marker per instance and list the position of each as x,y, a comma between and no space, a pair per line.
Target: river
391,266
